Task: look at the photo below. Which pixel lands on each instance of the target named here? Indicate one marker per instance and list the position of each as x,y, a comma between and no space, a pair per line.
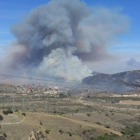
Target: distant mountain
119,82
95,73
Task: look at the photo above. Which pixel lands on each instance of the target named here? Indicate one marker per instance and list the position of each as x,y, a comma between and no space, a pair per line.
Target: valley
73,117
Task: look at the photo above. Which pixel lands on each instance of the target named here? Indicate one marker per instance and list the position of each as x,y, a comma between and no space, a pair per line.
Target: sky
126,49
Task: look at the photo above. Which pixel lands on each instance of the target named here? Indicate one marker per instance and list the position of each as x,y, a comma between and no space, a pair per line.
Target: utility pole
57,107
23,106
3,102
46,106
13,105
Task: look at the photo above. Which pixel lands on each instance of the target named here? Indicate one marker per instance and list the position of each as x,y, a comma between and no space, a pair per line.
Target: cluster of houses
38,90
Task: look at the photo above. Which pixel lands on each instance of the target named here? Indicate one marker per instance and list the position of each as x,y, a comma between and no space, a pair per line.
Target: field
74,117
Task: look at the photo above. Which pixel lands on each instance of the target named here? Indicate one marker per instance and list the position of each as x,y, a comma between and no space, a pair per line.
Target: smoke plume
133,63
56,38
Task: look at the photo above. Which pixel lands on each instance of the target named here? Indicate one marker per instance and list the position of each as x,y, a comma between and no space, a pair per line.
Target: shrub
41,123
106,114
8,111
47,131
123,132
5,135
132,135
70,134
98,123
88,114
92,138
55,112
62,95
1,118
61,131
5,112
107,126
84,132
24,114
61,113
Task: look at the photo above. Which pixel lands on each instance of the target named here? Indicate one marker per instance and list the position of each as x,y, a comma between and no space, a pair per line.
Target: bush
8,111
5,135
98,123
24,114
61,113
62,95
106,114
123,132
5,112
107,126
41,123
47,131
41,135
70,134
92,138
61,131
1,118
88,114
55,112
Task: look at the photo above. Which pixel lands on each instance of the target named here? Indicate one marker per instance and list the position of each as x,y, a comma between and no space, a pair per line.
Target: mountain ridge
118,82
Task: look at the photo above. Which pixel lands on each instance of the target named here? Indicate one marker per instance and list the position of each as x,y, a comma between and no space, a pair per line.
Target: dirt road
84,123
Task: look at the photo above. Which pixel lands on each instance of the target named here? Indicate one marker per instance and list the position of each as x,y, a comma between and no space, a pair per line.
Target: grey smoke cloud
55,38
133,63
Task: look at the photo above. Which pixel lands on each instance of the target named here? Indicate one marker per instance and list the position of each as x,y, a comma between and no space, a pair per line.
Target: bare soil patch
129,102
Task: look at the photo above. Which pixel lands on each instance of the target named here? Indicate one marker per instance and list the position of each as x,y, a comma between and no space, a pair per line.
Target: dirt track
86,124
5,123
129,102
109,107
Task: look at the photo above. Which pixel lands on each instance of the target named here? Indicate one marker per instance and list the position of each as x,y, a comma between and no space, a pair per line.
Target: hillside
119,82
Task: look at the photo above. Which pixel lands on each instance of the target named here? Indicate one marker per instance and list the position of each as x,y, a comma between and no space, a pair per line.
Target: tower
57,107
13,104
23,106
46,106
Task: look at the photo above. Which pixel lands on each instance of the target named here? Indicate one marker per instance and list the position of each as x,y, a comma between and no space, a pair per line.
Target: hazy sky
126,48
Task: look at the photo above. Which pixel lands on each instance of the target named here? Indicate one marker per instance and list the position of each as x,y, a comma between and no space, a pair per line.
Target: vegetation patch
1,117
105,137
24,114
47,131
61,131
98,123
8,111
131,130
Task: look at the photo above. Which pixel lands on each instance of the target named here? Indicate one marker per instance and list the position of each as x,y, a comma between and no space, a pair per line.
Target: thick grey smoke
133,63
56,38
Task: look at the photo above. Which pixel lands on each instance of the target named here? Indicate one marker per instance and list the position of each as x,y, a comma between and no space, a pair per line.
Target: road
84,123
